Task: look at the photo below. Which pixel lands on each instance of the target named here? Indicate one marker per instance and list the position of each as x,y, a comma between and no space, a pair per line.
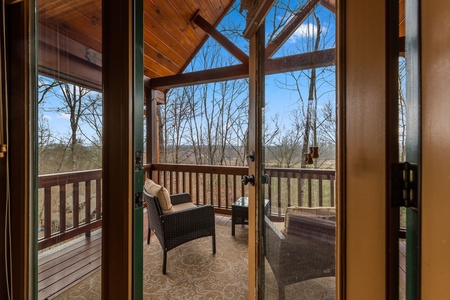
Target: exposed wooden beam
63,58
304,61
256,15
63,42
289,29
206,76
220,38
297,62
69,68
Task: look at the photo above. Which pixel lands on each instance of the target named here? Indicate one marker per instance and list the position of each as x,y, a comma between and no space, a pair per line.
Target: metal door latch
404,184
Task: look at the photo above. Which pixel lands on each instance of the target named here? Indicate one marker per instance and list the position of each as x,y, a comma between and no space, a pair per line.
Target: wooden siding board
180,16
164,29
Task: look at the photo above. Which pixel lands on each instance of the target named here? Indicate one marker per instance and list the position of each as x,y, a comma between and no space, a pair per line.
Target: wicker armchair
180,226
305,251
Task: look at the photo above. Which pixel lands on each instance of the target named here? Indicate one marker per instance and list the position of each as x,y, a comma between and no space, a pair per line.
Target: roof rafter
289,29
256,13
220,38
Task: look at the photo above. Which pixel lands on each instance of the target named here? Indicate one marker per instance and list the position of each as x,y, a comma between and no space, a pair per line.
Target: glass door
294,155
69,136
413,146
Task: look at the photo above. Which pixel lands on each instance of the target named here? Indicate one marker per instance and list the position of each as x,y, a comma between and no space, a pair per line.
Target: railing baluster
98,199
309,191
219,191
197,187
177,183
204,187
269,188
227,186
212,191
279,194
320,192
62,207
47,212
288,180
87,205
190,182
76,204
332,190
300,188
234,189
242,188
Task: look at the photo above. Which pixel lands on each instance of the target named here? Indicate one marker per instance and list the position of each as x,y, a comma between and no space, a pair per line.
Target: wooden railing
70,203
300,187
222,185
216,185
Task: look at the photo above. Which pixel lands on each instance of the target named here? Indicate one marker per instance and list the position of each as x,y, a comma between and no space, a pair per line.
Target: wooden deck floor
63,266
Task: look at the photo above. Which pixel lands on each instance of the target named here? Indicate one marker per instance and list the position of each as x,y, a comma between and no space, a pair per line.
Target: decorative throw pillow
161,193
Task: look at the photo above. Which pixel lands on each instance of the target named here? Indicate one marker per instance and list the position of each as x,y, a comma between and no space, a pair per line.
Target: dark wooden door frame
22,171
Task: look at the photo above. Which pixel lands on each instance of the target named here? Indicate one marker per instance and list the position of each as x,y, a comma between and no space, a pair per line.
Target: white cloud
305,30
46,117
64,116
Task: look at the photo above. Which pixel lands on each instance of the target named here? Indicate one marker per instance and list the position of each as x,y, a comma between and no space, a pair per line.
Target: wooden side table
239,212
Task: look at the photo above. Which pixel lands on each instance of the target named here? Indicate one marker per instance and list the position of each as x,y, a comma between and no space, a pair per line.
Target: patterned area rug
193,272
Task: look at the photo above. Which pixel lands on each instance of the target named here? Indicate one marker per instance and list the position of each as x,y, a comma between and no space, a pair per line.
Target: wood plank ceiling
70,36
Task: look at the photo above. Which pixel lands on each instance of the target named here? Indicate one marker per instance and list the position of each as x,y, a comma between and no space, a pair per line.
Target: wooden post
117,150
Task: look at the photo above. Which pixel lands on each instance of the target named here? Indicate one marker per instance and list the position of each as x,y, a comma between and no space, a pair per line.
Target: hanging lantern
308,159
314,151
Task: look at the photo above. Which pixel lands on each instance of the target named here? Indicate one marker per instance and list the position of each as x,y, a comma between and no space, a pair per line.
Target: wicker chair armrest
188,220
274,229
176,199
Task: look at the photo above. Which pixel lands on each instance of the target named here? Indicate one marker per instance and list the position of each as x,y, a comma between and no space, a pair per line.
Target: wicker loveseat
180,222
302,249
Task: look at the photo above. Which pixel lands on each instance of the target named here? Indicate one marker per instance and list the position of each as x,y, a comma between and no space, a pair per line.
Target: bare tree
174,116
283,141
203,124
208,123
71,102
311,85
92,118
327,125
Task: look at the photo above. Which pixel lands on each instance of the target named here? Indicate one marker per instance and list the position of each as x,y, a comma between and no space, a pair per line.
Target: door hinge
404,184
138,200
138,163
